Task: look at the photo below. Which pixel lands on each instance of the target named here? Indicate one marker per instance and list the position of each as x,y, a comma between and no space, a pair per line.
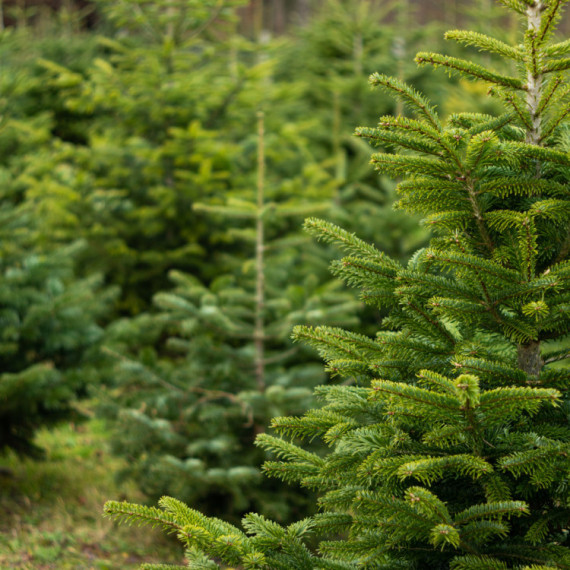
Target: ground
50,511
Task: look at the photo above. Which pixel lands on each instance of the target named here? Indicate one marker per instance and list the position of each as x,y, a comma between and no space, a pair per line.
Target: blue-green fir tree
50,328
197,381
50,320
449,437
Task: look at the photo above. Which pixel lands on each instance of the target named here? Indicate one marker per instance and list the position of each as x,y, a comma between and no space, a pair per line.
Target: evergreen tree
49,328
150,152
328,59
50,318
196,382
24,54
159,139
450,448
50,331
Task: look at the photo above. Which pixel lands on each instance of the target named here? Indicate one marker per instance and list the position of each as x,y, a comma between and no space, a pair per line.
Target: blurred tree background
152,262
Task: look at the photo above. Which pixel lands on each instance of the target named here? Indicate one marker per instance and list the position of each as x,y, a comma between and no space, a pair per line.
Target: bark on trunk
279,16
529,358
259,333
534,81
304,11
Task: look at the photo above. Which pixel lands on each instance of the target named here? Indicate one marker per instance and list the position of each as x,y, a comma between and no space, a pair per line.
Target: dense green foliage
449,434
49,324
200,378
185,396
109,145
170,115
50,314
152,148
113,140
49,320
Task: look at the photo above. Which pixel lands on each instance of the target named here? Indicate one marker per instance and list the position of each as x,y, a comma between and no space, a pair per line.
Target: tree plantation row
155,181
154,260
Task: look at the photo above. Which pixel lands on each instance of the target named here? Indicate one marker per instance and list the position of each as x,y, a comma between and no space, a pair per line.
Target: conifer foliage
346,41
49,316
49,321
159,139
49,324
450,447
197,381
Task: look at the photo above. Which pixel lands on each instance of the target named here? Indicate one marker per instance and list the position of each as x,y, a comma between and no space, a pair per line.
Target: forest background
157,160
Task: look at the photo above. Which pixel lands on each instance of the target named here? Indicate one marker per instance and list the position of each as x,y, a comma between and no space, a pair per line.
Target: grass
50,511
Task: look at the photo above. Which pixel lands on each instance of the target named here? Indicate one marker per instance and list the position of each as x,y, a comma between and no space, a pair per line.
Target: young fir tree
49,317
451,449
160,138
196,382
328,59
150,153
50,329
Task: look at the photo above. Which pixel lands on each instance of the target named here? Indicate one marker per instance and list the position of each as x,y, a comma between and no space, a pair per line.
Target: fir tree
148,154
196,382
151,154
49,327
450,450
49,317
50,330
158,140
328,60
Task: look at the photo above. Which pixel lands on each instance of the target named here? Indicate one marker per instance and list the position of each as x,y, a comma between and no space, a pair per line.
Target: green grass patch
50,510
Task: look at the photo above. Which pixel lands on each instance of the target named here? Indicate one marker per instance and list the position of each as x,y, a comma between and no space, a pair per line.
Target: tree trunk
278,17
259,333
529,359
303,11
258,19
